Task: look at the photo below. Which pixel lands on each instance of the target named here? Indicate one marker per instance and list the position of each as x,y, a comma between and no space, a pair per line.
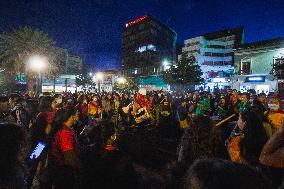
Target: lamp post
121,81
99,76
166,65
37,64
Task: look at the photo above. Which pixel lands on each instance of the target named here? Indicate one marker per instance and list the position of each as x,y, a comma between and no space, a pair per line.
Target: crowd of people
149,139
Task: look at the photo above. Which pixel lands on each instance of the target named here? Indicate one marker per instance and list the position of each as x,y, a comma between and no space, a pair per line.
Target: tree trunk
31,83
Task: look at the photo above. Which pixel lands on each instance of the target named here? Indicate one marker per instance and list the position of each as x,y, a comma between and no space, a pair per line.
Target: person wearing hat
182,113
116,109
141,107
203,106
94,107
106,106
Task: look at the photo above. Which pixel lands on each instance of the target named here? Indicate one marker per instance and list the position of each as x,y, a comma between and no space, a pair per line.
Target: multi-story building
214,54
107,81
148,47
71,67
260,66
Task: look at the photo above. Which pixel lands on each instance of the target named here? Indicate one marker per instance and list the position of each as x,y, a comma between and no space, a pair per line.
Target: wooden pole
224,120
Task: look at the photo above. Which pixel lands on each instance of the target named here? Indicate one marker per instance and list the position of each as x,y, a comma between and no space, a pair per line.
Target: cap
142,91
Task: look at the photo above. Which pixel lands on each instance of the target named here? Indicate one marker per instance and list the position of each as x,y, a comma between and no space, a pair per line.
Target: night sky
92,28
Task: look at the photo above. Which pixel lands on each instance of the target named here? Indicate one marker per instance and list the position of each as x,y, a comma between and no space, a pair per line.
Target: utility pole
66,84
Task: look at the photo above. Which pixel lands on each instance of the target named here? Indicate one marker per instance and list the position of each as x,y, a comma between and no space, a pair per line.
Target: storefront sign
255,79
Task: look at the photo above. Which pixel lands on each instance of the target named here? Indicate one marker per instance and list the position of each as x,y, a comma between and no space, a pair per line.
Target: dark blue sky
92,28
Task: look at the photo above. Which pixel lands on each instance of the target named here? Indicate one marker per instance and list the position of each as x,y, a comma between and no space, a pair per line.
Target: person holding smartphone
64,150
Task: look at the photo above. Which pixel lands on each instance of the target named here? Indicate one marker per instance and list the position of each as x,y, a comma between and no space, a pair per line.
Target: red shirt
83,110
64,140
43,120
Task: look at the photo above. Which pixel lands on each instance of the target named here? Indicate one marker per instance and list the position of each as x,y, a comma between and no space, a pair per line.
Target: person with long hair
82,107
201,140
247,139
44,119
218,173
13,173
64,150
40,132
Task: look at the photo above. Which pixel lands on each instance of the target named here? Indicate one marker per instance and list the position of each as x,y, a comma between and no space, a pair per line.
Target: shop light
255,78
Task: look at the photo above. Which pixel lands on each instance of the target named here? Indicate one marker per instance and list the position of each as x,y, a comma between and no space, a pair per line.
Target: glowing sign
255,79
217,80
135,21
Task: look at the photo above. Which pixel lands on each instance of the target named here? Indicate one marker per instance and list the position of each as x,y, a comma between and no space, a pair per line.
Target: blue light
149,47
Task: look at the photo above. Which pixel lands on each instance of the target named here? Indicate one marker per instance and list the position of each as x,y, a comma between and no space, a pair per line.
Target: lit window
135,71
151,47
142,49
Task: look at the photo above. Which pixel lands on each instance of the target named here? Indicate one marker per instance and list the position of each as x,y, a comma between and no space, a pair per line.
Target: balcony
202,59
213,50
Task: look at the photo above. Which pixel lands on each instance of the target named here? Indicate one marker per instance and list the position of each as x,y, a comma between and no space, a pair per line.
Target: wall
261,59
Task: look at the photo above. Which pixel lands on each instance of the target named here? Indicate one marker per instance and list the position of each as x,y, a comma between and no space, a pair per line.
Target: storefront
259,83
152,83
64,83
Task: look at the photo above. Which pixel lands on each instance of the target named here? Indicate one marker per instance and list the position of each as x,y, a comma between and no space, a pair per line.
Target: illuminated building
146,45
214,54
71,67
260,66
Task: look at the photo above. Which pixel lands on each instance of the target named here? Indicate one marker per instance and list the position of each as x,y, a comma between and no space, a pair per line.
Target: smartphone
37,150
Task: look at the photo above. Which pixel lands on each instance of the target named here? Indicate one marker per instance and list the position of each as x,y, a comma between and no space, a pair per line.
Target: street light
121,80
38,64
99,75
166,64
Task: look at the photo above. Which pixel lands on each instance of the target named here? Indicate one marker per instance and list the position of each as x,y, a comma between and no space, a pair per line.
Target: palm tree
17,46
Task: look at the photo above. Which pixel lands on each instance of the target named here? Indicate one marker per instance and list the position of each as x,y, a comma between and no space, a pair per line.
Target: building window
278,67
228,63
216,46
246,67
207,53
208,63
142,26
135,71
144,48
218,63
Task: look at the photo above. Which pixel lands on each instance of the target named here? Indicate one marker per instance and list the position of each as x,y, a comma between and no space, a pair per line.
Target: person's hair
16,98
80,99
4,99
246,94
61,116
57,95
216,174
254,137
262,94
12,139
200,140
45,104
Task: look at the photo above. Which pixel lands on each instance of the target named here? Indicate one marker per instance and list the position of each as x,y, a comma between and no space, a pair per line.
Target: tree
123,85
185,74
84,79
17,46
